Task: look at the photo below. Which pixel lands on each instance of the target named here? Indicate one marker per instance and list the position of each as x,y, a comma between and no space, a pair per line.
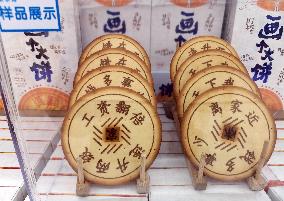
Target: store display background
161,75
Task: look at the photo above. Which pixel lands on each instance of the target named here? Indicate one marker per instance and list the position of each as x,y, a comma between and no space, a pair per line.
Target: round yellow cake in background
195,45
114,3
189,4
202,61
115,41
113,57
211,78
271,99
271,5
1,105
112,76
44,98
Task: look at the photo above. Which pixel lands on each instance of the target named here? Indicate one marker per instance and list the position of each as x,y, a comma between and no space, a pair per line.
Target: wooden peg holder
199,181
257,182
143,183
168,109
82,186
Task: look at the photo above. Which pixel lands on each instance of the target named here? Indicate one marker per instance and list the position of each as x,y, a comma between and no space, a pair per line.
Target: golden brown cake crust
108,129
210,78
115,41
113,76
195,45
113,57
229,126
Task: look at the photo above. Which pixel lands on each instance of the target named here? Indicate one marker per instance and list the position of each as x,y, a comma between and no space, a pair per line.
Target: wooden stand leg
257,182
143,183
199,181
168,109
82,186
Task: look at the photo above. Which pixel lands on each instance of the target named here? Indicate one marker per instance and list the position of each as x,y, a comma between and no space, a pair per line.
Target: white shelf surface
170,178
38,144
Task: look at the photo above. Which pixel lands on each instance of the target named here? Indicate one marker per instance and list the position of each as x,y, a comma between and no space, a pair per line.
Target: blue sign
29,15
271,30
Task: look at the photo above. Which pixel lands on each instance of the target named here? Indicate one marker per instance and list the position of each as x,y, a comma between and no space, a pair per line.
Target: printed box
173,22
129,17
42,65
255,29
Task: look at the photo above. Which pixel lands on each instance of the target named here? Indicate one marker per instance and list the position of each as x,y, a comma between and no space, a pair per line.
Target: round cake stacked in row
221,113
112,119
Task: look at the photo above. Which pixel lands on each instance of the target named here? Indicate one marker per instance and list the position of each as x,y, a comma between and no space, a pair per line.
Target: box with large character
129,17
42,65
174,22
255,29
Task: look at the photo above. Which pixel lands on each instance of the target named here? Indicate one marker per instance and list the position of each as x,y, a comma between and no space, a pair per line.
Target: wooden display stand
199,180
82,186
168,109
257,182
143,183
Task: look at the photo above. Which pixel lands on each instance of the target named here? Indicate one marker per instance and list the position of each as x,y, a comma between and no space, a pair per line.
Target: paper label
29,15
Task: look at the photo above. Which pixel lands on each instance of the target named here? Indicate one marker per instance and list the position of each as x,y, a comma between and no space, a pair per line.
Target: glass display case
85,128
